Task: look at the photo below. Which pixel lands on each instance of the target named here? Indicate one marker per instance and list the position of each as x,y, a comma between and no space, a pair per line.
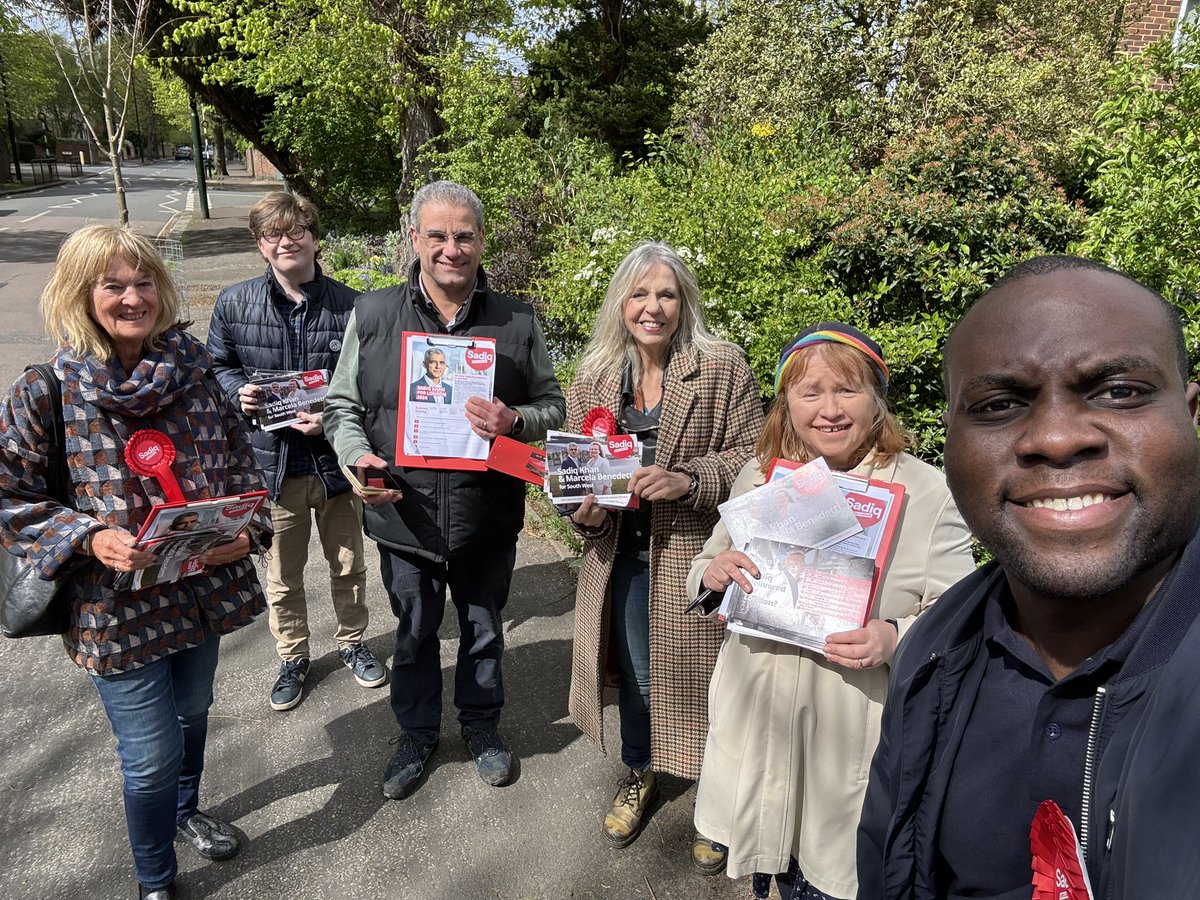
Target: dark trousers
478,583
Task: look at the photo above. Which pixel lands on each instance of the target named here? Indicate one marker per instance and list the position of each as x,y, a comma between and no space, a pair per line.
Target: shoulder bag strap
58,477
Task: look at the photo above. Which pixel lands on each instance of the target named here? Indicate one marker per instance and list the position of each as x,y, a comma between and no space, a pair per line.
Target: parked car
183,151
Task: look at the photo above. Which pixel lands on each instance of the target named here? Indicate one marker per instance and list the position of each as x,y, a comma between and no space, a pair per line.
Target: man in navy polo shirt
1067,669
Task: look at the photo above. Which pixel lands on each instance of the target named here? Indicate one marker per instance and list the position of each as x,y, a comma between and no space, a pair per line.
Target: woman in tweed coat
693,401
125,365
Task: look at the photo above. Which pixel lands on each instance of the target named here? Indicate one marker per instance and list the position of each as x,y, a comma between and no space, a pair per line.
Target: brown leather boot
635,793
708,856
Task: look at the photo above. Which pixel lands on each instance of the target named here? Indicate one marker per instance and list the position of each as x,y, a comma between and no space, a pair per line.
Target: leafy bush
1145,152
730,209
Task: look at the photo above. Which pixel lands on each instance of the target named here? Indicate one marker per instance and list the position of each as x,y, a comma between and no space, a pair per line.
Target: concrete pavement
304,786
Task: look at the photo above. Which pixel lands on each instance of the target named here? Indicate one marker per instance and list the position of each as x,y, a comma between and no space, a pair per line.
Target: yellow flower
762,129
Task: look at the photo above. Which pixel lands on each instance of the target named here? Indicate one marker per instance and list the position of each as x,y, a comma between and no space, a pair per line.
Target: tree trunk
119,184
219,146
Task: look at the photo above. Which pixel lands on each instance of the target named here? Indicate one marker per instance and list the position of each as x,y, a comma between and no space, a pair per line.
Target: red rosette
150,453
599,423
1058,869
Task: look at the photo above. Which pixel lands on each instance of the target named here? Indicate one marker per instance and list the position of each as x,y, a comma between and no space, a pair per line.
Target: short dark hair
1045,265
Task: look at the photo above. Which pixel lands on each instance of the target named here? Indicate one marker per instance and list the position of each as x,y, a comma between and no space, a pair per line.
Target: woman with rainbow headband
791,732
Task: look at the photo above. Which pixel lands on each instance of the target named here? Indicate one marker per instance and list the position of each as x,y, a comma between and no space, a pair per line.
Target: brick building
1162,18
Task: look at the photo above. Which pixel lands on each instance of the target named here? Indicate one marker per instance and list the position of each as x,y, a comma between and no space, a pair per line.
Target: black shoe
162,893
493,760
406,767
208,837
368,671
289,686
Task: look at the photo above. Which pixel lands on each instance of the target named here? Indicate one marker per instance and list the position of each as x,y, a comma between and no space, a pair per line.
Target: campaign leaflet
876,505
803,506
285,394
438,374
578,465
179,533
803,594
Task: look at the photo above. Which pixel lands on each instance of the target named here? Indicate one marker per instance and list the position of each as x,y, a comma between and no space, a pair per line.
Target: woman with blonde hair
692,400
125,365
791,732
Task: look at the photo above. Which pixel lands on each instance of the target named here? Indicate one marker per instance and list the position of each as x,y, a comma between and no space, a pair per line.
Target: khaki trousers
339,526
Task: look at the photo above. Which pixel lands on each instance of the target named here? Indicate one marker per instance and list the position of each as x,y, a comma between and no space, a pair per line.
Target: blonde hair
612,346
83,259
886,438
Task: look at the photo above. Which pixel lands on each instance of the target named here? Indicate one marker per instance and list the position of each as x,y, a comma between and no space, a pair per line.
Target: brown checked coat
711,417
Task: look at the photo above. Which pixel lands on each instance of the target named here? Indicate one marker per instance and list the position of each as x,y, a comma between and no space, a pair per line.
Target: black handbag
31,606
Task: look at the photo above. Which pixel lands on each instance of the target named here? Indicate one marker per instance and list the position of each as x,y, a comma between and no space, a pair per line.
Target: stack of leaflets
285,394
820,540
178,534
579,464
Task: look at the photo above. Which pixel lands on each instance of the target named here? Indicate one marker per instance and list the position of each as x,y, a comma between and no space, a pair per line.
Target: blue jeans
159,714
629,629
478,582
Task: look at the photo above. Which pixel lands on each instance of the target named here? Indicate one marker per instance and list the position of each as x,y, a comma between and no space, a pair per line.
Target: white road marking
38,216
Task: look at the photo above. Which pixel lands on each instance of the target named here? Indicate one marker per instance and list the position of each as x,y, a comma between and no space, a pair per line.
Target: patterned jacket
171,391
711,418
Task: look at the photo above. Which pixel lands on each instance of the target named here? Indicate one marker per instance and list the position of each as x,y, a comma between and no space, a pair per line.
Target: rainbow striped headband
828,336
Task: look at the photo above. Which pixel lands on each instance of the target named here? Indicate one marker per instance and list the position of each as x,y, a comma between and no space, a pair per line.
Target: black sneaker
368,671
493,760
289,686
402,774
208,837
163,893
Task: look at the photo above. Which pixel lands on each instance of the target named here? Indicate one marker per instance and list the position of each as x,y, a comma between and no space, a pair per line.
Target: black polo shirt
1025,742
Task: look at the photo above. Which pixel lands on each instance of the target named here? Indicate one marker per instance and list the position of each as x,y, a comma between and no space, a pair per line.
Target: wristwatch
518,424
693,489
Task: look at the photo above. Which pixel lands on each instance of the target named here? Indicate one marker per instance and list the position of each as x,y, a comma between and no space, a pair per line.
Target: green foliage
30,74
945,214
738,211
611,73
877,69
1145,151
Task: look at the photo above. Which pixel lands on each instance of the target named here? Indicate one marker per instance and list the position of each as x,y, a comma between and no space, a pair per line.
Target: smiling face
125,305
1071,447
449,243
294,254
651,312
831,410
594,452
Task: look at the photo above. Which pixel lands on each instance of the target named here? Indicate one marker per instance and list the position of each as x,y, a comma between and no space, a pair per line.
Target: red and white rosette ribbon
599,423
1059,872
150,453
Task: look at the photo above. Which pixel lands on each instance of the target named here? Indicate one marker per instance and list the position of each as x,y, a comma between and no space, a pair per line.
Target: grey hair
612,346
430,351
452,194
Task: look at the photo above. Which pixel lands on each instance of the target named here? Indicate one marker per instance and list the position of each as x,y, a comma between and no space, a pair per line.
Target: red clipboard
414,461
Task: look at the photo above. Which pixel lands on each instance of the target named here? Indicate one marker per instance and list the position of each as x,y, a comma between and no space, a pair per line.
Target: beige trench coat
711,418
792,735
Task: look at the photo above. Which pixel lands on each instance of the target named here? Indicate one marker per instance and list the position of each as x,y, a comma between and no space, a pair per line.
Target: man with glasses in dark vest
443,528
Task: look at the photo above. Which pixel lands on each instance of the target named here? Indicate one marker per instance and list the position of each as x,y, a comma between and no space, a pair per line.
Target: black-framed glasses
296,234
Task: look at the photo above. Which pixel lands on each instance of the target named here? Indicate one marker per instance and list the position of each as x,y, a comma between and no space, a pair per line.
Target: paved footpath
304,786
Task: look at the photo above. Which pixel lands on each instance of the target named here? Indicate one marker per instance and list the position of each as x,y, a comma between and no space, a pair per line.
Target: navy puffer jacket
248,334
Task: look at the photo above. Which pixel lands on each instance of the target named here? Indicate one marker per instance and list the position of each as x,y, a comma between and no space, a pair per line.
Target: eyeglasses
296,234
438,239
